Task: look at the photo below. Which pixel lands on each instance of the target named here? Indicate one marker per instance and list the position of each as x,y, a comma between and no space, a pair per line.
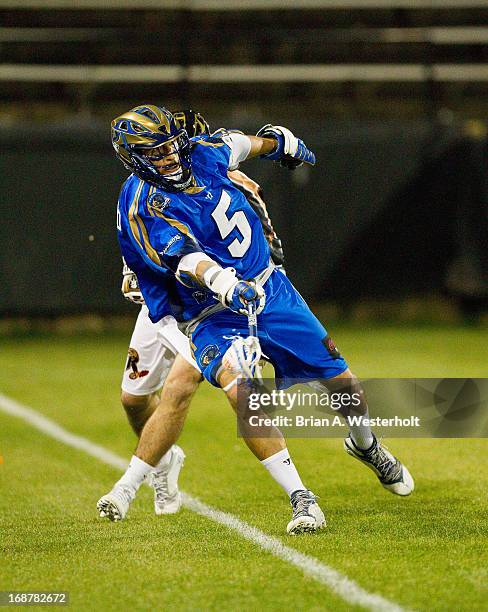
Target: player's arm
170,245
232,292
261,146
273,142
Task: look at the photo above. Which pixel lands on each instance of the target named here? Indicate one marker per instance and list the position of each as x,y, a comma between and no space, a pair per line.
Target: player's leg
152,351
151,355
139,408
212,340
157,439
361,442
270,448
301,349
165,424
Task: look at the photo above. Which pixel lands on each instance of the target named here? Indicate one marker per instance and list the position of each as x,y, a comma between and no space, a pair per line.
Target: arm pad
187,267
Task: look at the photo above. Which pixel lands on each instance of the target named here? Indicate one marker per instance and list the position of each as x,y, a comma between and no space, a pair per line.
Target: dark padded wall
389,209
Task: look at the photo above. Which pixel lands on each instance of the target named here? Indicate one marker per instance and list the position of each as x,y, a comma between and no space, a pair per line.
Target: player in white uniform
159,354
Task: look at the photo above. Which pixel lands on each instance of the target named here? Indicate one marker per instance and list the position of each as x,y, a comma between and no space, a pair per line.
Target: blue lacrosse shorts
291,337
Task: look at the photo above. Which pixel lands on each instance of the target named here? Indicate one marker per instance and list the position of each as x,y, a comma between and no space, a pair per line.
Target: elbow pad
186,271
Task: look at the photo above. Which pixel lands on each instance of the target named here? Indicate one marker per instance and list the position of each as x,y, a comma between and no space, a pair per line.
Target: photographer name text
312,421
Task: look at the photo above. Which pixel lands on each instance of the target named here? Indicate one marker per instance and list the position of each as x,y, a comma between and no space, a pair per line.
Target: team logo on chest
158,201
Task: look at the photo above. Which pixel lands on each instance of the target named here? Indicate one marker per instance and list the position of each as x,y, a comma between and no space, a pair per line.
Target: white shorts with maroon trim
152,351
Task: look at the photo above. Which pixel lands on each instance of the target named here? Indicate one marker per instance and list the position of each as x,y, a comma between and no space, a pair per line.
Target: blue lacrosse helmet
148,134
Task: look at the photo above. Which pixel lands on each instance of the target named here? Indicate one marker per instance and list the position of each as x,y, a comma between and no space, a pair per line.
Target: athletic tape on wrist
220,280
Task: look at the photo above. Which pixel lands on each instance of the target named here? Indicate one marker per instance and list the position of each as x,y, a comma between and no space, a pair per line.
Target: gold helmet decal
137,126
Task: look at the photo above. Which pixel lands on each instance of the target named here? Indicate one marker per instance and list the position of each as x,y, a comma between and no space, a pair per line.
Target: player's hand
130,286
232,292
291,152
244,293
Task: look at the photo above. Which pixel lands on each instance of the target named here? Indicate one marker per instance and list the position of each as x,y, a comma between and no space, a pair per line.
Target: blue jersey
157,228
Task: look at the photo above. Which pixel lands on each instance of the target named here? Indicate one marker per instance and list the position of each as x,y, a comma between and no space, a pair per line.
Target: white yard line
338,583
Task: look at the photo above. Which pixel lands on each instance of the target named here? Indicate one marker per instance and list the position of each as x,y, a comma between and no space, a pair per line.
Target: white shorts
152,351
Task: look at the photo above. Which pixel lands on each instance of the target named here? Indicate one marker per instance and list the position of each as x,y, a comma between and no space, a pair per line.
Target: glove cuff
220,281
269,131
287,141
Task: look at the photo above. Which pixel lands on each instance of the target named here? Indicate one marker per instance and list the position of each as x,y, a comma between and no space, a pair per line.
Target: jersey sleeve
222,153
239,145
172,240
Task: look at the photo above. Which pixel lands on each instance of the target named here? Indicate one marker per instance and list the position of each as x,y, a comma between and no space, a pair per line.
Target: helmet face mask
150,144
167,165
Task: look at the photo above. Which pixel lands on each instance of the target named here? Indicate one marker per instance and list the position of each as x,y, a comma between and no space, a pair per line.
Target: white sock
135,474
165,459
361,435
283,470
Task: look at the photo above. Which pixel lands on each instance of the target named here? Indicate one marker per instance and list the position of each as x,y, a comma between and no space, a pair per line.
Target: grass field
426,552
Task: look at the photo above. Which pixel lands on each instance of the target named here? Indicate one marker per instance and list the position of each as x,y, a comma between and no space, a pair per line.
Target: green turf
426,552
52,540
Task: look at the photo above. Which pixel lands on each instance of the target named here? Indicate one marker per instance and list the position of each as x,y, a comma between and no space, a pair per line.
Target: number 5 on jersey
225,224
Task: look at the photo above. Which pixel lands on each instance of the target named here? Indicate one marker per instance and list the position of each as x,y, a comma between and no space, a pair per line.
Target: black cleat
391,473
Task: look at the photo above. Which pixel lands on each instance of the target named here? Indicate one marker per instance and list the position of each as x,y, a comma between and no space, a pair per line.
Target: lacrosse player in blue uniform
159,354
180,217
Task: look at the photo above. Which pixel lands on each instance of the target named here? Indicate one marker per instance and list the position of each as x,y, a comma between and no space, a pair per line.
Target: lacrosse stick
252,321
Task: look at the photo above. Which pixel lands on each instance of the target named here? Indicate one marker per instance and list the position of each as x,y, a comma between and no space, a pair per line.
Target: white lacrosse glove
130,286
291,152
234,293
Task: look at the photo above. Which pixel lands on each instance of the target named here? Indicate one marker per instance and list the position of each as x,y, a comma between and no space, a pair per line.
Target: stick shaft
252,320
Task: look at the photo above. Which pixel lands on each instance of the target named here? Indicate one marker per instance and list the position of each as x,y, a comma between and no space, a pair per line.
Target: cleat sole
304,527
108,509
